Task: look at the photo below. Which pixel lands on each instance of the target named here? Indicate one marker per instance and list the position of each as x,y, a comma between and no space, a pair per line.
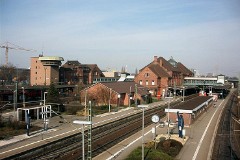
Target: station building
190,109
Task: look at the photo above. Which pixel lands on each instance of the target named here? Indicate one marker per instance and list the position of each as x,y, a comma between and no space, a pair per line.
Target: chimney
161,62
155,58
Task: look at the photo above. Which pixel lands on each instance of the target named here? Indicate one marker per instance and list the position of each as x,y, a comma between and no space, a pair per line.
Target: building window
140,82
146,82
146,74
153,82
35,72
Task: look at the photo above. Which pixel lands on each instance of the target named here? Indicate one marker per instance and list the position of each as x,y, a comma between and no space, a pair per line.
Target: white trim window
153,82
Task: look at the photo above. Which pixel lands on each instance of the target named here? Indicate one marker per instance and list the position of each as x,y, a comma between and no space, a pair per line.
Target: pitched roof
183,69
125,87
76,63
193,103
158,71
167,65
91,66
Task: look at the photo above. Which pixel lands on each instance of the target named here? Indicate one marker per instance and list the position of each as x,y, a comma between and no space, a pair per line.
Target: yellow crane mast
8,45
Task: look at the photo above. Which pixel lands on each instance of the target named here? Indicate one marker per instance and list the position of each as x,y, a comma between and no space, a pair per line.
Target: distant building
205,81
160,75
111,74
124,77
45,70
115,93
73,72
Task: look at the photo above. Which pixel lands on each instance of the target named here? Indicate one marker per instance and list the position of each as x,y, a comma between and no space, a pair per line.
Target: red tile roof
124,87
158,71
184,69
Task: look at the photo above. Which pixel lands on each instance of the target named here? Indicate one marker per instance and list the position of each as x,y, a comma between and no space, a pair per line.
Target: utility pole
15,96
90,131
130,96
109,102
174,89
85,111
136,95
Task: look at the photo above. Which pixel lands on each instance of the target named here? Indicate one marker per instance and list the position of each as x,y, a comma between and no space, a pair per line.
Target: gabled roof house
115,93
160,74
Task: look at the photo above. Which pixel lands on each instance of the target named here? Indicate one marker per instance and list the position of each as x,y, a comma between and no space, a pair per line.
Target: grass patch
152,154
11,128
165,150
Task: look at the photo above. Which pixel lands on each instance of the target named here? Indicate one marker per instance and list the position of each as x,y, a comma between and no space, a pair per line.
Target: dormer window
146,74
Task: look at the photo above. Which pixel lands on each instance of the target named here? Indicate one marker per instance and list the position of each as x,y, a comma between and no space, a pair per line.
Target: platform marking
121,150
55,136
37,141
201,140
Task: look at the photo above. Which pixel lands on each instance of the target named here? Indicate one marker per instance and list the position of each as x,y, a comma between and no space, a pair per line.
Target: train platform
197,143
59,127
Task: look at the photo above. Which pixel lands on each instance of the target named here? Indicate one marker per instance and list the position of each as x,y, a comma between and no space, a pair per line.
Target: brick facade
73,72
43,74
101,93
160,75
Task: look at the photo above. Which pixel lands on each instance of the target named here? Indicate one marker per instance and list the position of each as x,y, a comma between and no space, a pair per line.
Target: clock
155,118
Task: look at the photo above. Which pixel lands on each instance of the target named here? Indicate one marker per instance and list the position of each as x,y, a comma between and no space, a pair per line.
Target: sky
203,35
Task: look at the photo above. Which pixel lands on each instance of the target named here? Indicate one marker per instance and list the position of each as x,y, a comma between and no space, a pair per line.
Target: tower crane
8,45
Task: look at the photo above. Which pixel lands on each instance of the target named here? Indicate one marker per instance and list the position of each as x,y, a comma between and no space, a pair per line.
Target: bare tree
7,73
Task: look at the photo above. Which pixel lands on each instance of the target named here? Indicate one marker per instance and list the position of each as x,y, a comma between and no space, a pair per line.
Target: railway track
103,137
223,146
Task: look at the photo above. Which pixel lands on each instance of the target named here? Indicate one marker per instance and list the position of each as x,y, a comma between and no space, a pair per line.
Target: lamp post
23,97
136,95
168,114
142,106
130,96
119,96
45,111
85,103
82,123
44,98
109,103
45,78
183,93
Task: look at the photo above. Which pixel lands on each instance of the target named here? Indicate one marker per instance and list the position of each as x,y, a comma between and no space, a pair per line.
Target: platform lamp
23,97
82,123
168,114
119,96
142,106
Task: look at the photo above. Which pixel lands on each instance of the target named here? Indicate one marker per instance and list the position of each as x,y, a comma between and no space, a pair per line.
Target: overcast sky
203,34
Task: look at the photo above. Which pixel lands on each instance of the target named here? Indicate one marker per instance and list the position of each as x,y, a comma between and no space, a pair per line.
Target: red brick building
73,72
115,93
160,75
45,70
